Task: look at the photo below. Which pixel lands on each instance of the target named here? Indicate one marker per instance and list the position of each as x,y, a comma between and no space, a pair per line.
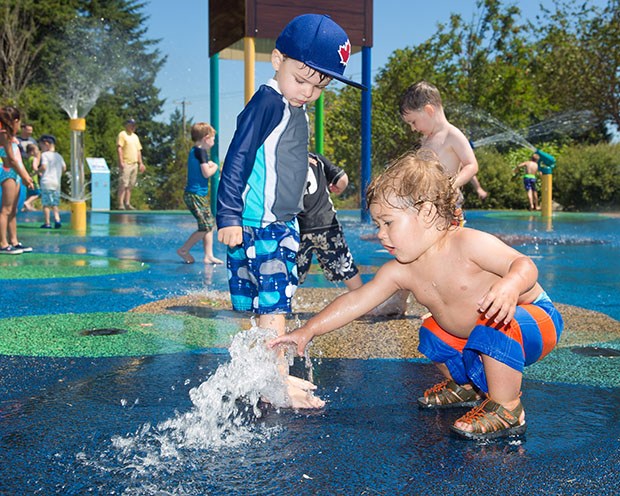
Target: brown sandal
448,394
491,420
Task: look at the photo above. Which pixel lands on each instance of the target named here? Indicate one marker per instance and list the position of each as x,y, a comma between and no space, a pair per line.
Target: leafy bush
496,175
587,177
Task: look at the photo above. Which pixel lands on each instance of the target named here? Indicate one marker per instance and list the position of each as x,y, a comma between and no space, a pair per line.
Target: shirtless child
530,168
490,317
421,108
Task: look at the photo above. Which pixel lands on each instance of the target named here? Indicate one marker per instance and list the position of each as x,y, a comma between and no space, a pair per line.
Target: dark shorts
529,183
262,271
200,209
33,192
531,334
332,253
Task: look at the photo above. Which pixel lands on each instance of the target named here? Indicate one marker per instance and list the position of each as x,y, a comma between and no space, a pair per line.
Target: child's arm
340,185
336,176
257,120
208,169
346,308
467,158
517,272
36,162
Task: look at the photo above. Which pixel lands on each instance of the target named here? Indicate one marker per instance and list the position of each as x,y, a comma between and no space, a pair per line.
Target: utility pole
183,103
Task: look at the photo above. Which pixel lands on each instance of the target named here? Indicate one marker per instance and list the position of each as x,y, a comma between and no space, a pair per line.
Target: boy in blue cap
264,175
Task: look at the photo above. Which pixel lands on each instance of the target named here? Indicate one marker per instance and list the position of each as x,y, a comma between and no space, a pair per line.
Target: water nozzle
547,160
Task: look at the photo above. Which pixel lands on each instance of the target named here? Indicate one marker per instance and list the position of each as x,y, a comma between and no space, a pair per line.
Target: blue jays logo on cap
318,42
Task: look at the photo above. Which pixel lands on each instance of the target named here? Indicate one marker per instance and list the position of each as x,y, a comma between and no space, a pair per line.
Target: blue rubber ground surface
58,414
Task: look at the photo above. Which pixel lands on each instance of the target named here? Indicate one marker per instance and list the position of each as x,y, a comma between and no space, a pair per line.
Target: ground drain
596,351
106,331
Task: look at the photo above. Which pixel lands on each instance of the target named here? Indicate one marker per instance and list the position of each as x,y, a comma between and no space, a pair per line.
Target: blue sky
183,31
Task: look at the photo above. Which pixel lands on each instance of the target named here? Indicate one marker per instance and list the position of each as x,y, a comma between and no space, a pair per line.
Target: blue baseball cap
318,42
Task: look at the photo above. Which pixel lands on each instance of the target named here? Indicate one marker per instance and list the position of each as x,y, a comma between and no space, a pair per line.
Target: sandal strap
448,392
486,417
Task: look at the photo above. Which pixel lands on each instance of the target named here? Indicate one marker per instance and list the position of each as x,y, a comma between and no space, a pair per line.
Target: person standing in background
52,168
25,138
129,163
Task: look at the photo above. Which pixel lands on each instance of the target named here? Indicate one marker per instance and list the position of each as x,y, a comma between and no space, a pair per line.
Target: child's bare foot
301,383
482,194
186,256
212,260
300,393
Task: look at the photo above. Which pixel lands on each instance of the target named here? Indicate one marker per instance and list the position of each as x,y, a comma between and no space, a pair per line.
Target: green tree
580,44
49,26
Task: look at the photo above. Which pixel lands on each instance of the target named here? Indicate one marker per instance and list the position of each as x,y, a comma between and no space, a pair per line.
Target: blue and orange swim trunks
532,333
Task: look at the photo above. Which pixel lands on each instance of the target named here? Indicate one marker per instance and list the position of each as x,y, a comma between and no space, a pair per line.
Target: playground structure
247,29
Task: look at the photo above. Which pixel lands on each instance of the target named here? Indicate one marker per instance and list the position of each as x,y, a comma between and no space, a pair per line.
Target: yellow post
249,59
78,216
78,205
546,207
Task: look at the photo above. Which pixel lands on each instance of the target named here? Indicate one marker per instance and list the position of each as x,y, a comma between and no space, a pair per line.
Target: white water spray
96,62
225,407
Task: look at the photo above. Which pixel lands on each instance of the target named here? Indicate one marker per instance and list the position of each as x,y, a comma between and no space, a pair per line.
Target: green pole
214,80
318,124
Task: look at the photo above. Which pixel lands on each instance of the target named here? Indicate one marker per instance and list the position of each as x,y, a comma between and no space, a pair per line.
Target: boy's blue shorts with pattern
262,272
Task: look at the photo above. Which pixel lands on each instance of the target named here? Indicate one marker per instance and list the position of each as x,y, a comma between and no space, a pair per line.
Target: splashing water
95,64
483,128
224,410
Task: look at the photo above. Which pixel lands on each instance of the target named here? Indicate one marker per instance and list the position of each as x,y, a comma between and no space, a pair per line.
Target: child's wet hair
413,179
418,95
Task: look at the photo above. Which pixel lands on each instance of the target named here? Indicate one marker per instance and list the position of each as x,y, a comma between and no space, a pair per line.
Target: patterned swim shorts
199,207
50,197
262,272
332,253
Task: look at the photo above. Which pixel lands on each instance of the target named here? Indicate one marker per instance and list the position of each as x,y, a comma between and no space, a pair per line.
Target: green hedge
586,178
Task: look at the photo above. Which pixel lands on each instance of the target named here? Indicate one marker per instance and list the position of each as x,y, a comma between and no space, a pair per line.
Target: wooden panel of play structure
232,20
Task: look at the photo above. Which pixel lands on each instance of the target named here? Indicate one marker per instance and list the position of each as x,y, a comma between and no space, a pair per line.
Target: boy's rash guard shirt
265,169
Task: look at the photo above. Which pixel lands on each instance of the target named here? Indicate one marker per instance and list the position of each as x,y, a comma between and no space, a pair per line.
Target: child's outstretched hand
301,337
500,302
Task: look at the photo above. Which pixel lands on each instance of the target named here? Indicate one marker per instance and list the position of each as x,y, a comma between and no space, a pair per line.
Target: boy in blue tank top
264,175
196,196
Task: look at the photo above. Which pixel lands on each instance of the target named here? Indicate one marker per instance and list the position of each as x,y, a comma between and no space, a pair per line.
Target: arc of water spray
480,122
95,61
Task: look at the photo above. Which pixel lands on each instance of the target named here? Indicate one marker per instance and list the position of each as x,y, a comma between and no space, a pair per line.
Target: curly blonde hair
413,179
